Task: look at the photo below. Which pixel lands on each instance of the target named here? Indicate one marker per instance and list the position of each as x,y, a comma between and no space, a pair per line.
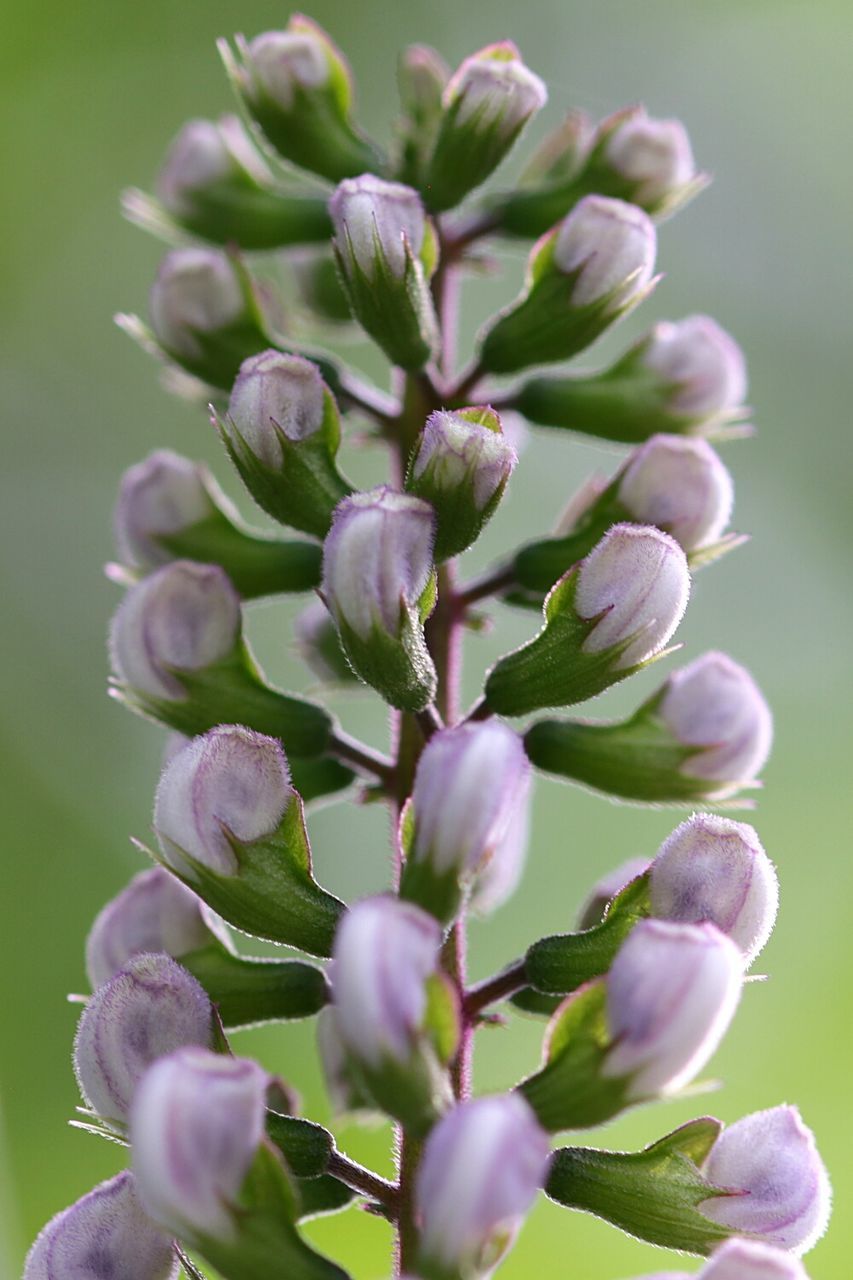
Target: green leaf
247,992
307,1147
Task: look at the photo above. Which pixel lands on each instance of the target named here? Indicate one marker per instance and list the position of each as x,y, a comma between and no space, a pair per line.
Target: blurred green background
91,92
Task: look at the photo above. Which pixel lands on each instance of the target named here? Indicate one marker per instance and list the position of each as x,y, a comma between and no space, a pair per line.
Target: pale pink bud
104,1236
606,889
459,452
377,558
196,292
713,869
679,484
703,364
751,1260
384,952
162,495
151,1007
637,578
196,1125
671,993
482,1166
714,705
283,63
653,155
228,784
499,877
611,246
275,390
375,221
197,158
184,616
496,90
779,1187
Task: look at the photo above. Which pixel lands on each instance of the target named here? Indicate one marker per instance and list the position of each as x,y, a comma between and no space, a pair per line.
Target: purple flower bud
456,452
385,950
498,879
751,1260
197,1123
779,1187
377,559
154,913
275,390
653,155
609,246
285,63
198,157
482,1166
679,484
714,705
494,90
342,1085
184,617
671,993
196,292
375,222
713,869
229,784
605,890
104,1236
162,495
636,580
471,783
151,1007
703,364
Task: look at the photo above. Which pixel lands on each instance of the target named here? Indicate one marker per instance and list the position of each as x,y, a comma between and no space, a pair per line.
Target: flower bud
377,563
275,395
471,784
671,993
680,485
199,157
712,869
751,1260
652,157
487,103
608,247
702,365
196,300
714,707
385,250
461,465
154,913
481,1168
422,75
346,1091
183,618
776,1183
149,1008
605,890
163,495
104,1236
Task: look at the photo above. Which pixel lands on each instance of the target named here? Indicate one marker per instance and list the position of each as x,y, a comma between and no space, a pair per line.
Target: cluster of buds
640,992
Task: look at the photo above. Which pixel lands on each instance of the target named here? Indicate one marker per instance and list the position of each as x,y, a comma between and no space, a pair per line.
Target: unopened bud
487,103
276,395
422,75
346,1090
470,785
163,495
712,869
149,1008
481,1168
680,485
702,367
105,1236
605,890
653,158
461,465
751,1260
775,1183
608,248
199,157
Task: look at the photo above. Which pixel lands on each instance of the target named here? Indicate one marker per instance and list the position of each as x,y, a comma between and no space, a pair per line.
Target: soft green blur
91,93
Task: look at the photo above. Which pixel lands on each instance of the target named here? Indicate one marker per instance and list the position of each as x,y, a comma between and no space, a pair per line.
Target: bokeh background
91,92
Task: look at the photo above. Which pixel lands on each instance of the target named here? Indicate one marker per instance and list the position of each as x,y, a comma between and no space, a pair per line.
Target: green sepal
238,212
653,1195
257,565
535,1003
552,670
307,1147
247,992
421,99
324,1195
273,893
442,1017
560,964
416,1091
438,892
397,667
570,1092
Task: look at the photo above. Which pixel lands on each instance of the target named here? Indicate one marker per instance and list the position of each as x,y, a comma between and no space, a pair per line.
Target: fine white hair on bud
702,364
105,1236
149,1008
283,63
274,390
375,222
384,952
196,1125
196,292
655,156
198,157
377,559
636,582
777,1183
713,869
228,785
679,484
162,495
714,705
671,993
154,913
609,247
751,1260
455,451
482,1166
184,617
496,90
